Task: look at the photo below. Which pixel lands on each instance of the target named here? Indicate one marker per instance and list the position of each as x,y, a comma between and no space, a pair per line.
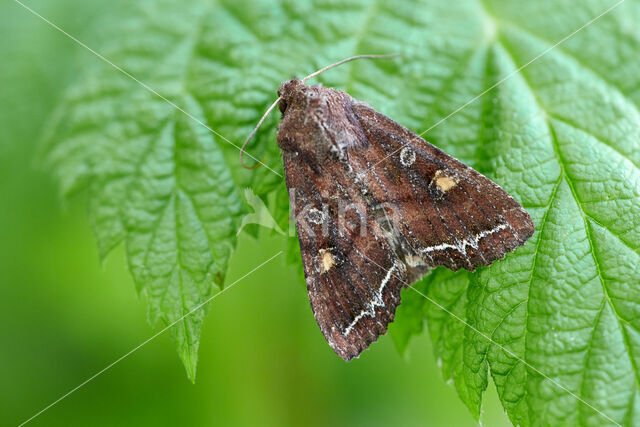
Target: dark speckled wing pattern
369,226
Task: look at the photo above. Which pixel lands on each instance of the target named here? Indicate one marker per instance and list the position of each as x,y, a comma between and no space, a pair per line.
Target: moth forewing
377,207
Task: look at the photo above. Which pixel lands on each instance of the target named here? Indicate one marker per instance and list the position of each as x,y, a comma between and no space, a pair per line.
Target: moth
376,207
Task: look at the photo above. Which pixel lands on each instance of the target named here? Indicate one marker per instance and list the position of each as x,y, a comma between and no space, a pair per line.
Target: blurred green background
65,316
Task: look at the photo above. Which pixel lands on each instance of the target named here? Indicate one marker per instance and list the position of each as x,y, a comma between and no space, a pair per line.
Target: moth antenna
253,132
352,58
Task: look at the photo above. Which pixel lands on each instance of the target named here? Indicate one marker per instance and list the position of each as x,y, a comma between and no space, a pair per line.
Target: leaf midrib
567,178
605,290
549,115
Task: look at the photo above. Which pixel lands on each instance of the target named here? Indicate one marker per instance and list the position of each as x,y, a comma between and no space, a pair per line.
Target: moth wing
442,211
391,207
353,279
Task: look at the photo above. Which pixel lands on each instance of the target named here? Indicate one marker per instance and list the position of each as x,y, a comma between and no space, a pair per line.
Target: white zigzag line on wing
462,246
377,302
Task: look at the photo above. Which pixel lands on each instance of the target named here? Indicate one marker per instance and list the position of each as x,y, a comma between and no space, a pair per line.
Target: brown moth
376,207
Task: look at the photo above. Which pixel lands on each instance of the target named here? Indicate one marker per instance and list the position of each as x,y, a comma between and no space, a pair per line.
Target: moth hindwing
376,207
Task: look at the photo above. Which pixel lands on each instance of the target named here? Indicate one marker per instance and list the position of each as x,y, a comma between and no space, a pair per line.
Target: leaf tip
190,362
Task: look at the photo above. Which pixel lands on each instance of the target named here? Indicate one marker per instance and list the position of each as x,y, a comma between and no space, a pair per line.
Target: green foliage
562,135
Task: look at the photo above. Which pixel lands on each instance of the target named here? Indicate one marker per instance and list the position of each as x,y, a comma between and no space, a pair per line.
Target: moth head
296,88
318,122
287,91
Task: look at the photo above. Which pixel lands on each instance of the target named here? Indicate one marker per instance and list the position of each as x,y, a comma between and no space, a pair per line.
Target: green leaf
562,135
409,319
156,179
